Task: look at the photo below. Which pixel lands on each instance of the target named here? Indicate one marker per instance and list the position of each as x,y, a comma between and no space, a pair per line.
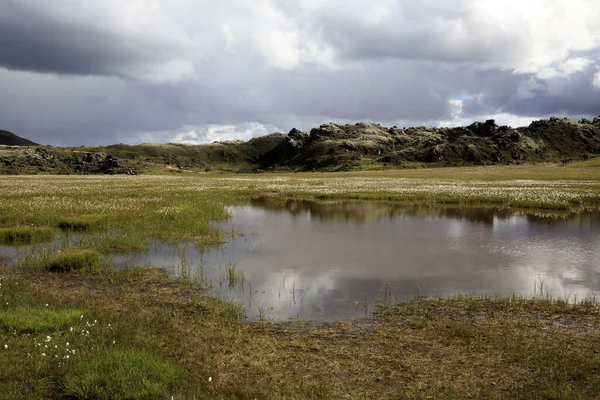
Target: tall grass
128,374
71,260
25,235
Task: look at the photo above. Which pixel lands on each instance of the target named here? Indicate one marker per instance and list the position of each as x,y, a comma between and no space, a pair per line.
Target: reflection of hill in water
377,211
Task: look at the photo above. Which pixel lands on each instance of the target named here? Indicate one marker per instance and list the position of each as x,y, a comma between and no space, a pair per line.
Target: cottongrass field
72,326
125,194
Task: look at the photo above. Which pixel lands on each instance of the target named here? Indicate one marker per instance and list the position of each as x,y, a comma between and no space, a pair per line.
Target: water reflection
334,260
376,211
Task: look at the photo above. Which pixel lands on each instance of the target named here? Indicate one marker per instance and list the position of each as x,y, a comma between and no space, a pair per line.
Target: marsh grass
463,347
82,223
522,348
33,319
127,374
234,276
71,260
25,235
113,241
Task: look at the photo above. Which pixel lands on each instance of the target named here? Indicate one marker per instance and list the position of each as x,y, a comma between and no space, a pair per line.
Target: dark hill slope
10,139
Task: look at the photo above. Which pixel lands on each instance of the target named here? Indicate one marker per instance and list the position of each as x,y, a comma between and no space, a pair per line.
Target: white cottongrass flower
209,379
5,346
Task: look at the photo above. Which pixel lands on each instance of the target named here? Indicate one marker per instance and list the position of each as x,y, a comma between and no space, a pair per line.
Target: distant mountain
10,139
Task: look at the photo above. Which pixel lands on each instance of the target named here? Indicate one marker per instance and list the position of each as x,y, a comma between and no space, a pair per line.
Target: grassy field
90,331
68,334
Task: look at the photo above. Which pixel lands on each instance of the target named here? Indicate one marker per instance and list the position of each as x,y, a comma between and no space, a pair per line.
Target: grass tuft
122,375
72,260
31,320
82,223
25,234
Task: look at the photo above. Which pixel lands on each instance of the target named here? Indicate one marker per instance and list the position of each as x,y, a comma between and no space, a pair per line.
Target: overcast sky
82,72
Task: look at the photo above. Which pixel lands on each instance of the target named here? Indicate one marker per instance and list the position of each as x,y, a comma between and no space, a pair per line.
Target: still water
311,260
336,260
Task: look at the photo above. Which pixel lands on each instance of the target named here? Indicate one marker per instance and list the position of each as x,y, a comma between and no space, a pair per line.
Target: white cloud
536,29
190,137
576,64
202,134
565,68
596,81
456,107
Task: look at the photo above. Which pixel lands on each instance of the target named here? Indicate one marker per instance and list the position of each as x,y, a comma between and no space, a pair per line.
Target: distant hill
329,147
10,139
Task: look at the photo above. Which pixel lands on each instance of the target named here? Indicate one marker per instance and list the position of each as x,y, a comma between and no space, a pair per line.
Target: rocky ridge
332,147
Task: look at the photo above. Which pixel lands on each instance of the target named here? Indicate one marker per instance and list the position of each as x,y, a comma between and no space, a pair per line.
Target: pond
336,260
307,260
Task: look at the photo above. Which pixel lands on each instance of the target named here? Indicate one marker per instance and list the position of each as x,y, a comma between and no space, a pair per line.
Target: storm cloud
193,71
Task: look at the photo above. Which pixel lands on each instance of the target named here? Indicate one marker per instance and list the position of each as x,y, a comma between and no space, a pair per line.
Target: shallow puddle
336,260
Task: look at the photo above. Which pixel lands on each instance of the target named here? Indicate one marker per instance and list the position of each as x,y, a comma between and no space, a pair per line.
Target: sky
80,72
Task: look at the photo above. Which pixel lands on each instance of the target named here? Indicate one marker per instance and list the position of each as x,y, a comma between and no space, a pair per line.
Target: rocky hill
330,147
344,146
10,139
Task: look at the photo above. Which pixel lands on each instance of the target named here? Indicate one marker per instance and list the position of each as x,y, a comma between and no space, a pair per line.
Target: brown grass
460,348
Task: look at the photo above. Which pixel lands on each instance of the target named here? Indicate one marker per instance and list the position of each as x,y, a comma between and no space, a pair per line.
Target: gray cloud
108,71
528,95
32,40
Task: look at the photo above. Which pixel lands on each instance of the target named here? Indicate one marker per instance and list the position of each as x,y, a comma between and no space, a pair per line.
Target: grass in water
37,319
234,276
82,222
72,260
128,374
25,235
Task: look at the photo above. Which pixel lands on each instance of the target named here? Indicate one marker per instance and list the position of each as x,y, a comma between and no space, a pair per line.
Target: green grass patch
37,319
122,375
591,163
84,222
72,260
25,234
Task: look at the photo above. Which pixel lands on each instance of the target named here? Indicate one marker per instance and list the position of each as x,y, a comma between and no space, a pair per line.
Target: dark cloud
32,40
528,95
110,71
